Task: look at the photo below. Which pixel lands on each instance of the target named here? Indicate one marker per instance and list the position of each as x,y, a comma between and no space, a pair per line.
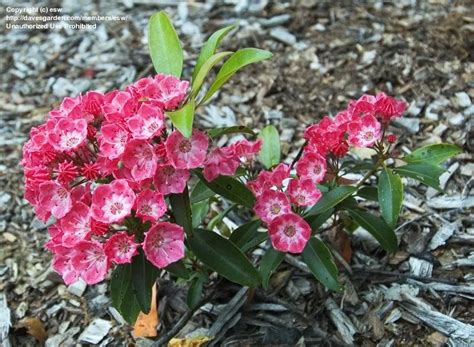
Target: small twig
413,220
272,298
402,275
163,340
341,259
298,155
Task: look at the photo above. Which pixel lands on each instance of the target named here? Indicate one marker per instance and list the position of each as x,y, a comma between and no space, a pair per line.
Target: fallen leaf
34,327
146,324
195,341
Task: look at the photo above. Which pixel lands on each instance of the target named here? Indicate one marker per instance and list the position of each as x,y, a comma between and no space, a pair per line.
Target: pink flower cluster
360,125
279,194
102,160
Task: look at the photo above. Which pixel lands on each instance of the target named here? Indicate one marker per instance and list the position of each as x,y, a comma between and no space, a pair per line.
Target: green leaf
178,269
425,173
222,256
200,210
368,193
206,67
316,221
163,42
433,154
270,152
201,192
319,260
270,261
183,118
231,189
331,199
238,60
390,196
181,207
216,132
376,226
195,292
245,233
121,292
144,275
216,220
251,244
210,48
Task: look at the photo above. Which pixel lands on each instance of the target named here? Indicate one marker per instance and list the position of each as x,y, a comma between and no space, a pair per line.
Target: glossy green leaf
238,60
231,189
245,233
368,193
201,192
316,221
222,256
425,173
377,227
270,152
270,261
237,129
200,210
206,67
195,292
178,269
321,263
331,199
144,275
183,118
181,207
434,154
390,196
122,294
163,42
253,243
210,48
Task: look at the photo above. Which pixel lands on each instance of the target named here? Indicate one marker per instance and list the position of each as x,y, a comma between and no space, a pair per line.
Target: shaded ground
324,55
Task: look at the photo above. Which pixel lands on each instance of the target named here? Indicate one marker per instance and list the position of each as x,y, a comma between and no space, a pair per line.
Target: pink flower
150,205
91,171
303,192
147,123
112,202
93,102
391,138
260,184
139,158
66,172
68,134
312,166
171,90
245,148
271,204
169,180
280,173
121,248
387,107
220,161
164,244
90,261
113,140
55,199
289,233
119,106
76,225
186,153
363,106
364,132
62,263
